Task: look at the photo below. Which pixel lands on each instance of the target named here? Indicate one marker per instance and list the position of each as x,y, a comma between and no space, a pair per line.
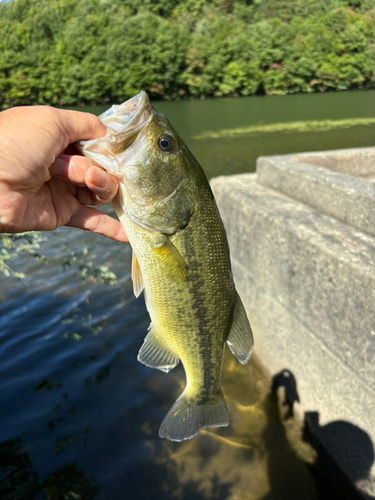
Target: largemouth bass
180,259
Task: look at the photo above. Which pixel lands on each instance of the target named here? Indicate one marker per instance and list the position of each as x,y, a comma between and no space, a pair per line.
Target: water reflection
19,479
227,156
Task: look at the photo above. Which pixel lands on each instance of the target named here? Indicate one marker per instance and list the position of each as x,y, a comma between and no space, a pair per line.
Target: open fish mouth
124,123
129,114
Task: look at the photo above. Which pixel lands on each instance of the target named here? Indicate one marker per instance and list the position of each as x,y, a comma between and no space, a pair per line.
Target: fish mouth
128,114
125,122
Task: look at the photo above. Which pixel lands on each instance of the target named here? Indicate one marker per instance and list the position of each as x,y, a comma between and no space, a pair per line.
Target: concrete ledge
308,283
332,182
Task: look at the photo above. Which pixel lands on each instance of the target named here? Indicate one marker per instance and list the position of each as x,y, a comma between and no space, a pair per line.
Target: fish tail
186,417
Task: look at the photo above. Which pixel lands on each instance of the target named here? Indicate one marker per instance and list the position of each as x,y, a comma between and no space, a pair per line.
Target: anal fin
240,338
155,354
136,276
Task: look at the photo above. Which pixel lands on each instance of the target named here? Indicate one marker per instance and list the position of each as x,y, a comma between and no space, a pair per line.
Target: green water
236,153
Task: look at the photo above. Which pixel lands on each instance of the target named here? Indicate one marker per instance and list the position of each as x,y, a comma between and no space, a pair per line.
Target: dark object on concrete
347,441
286,380
301,233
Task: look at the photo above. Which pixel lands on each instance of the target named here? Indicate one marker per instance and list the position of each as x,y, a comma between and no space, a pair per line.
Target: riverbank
86,52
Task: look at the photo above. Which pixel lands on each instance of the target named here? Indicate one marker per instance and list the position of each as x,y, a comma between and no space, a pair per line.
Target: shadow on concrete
345,452
286,379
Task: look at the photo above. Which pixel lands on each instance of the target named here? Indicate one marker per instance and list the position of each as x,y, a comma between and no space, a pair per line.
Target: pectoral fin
136,276
240,339
173,260
155,354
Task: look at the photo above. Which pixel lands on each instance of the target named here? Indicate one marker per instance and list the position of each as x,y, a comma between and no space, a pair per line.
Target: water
79,415
226,156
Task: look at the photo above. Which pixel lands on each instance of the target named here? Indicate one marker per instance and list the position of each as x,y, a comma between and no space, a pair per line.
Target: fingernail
100,200
59,167
99,178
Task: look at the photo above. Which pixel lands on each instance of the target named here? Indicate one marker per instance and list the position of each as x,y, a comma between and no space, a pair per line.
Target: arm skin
44,182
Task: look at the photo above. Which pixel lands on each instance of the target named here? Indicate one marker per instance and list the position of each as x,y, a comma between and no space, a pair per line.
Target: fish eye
166,143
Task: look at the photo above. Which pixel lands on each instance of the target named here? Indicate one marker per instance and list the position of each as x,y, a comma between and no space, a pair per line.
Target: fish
180,259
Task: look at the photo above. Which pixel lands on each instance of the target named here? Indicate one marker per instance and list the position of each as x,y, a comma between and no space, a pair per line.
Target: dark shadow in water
68,482
289,476
47,384
18,478
286,379
347,442
163,483
20,481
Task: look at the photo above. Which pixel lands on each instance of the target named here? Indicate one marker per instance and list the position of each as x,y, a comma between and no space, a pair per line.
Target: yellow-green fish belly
192,316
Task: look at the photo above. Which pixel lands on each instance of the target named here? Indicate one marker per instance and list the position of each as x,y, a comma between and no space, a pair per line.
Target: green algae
298,126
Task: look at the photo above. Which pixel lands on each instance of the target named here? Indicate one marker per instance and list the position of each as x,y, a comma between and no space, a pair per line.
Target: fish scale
180,258
204,299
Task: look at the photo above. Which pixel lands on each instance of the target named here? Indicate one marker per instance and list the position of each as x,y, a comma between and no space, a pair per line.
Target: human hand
43,184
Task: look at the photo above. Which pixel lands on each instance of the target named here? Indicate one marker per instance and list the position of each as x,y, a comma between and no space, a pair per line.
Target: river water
79,416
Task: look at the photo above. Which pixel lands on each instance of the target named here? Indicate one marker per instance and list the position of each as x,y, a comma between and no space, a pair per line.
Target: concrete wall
301,232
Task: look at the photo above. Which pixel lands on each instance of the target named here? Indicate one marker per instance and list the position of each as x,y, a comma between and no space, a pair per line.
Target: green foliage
76,52
88,271
11,245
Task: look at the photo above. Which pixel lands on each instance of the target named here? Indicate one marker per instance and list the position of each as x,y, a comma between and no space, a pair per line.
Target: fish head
152,163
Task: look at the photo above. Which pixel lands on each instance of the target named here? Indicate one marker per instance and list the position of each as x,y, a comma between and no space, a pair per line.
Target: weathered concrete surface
335,182
308,283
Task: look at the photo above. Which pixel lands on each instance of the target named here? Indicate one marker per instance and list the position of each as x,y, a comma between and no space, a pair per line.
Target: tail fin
186,417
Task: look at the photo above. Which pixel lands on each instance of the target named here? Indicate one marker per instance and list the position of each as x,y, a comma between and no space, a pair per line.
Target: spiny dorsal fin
155,354
172,258
240,339
136,277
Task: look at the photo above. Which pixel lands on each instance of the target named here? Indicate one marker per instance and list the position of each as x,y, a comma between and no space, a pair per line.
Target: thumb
81,126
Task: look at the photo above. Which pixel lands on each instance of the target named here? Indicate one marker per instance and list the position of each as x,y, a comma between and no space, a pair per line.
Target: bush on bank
73,52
